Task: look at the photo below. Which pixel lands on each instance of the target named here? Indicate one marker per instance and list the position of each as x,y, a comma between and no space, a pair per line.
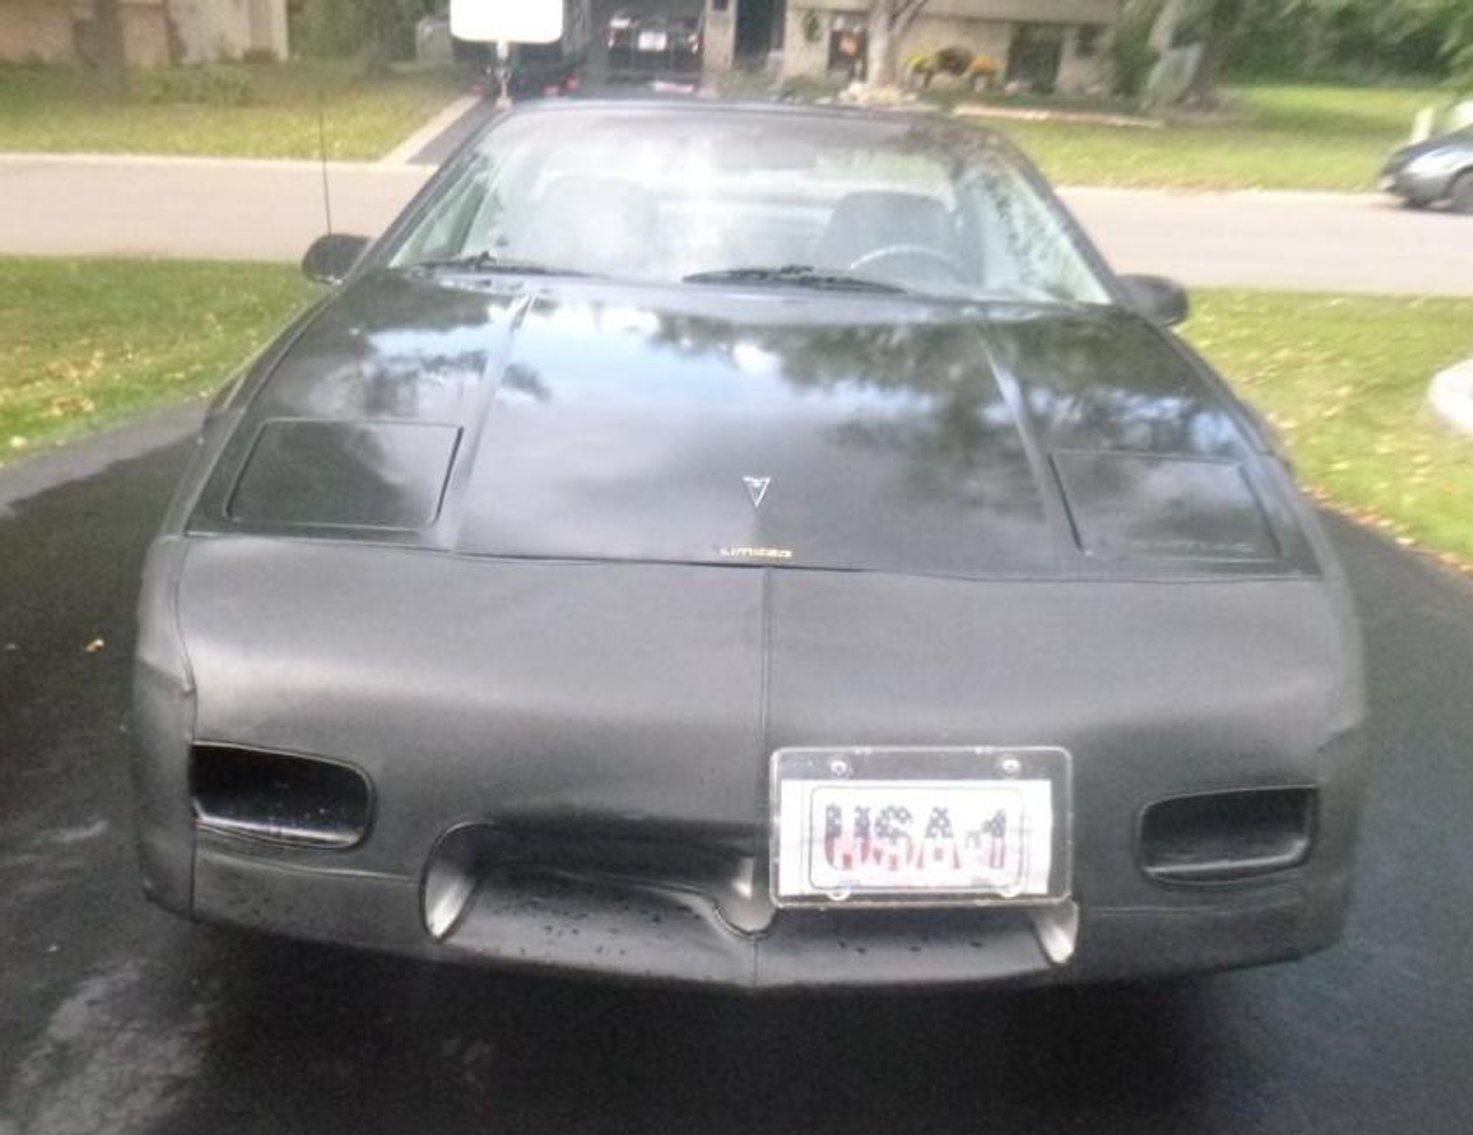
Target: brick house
155,32
1045,44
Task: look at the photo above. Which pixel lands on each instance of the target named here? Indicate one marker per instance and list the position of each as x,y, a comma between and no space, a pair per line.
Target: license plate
928,826
653,41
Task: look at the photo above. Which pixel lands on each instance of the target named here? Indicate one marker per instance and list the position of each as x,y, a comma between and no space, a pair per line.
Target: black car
543,71
750,546
1437,170
532,70
654,47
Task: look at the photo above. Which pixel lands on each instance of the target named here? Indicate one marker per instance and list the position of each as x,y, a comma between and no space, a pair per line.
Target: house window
849,45
1087,42
1035,56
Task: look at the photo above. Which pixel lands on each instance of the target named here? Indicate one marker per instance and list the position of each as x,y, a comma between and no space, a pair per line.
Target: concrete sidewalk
195,208
261,210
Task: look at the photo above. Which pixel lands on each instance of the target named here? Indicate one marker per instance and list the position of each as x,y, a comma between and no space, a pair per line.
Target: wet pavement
115,1017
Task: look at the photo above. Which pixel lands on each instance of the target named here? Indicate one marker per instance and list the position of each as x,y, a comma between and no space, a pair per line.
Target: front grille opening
1224,837
589,869
271,796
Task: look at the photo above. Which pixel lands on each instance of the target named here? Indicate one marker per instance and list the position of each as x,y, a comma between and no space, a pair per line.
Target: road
251,210
1302,241
117,1017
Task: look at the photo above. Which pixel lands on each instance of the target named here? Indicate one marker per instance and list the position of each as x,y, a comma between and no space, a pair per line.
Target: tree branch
904,14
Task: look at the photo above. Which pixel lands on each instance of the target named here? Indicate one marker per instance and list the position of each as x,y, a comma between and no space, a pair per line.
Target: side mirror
332,257
1160,300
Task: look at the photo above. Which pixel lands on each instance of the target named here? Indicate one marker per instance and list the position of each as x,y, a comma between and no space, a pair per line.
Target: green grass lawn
1304,137
1344,379
46,109
85,343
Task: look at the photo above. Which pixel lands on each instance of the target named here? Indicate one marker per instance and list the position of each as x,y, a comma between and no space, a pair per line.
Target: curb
1259,196
1067,117
1452,396
406,151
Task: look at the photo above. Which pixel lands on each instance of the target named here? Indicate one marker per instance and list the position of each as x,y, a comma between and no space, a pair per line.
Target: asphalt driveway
119,1018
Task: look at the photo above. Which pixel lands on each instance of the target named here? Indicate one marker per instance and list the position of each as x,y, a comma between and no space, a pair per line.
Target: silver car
1440,169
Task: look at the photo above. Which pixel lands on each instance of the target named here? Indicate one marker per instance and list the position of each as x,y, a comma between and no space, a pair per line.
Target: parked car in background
543,71
751,546
654,47
1434,171
533,70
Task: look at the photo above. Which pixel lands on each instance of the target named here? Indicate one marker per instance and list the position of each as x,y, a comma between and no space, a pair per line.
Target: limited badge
756,553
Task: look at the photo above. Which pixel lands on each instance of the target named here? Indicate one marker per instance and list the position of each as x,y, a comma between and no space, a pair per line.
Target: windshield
693,195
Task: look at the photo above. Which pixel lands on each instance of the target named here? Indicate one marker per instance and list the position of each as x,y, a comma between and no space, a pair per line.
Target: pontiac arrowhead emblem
757,489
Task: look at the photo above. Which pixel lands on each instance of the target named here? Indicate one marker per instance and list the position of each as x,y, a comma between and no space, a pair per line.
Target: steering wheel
935,257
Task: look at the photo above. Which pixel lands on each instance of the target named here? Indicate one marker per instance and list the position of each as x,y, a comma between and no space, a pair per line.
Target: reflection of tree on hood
396,348
1109,383
1085,381
934,396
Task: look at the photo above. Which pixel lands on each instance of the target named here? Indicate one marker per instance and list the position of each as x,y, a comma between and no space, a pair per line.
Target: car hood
587,421
1461,140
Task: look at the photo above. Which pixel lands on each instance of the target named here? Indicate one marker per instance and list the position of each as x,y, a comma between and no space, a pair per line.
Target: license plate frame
1016,780
652,42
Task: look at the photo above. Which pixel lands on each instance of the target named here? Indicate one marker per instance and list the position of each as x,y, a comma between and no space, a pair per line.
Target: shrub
957,62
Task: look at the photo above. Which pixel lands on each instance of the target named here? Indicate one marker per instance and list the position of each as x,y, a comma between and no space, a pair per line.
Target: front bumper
635,703
1420,188
560,926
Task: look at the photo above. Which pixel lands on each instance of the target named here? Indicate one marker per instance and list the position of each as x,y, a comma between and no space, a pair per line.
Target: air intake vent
1223,837
284,799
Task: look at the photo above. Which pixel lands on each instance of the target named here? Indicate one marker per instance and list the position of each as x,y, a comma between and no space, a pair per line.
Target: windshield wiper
798,276
489,262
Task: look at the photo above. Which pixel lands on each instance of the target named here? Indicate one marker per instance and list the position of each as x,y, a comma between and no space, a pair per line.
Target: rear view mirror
332,257
1160,300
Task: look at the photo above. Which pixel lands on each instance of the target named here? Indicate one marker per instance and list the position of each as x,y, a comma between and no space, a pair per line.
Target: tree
1219,24
1457,49
1170,16
379,18
1369,37
106,54
376,31
889,20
